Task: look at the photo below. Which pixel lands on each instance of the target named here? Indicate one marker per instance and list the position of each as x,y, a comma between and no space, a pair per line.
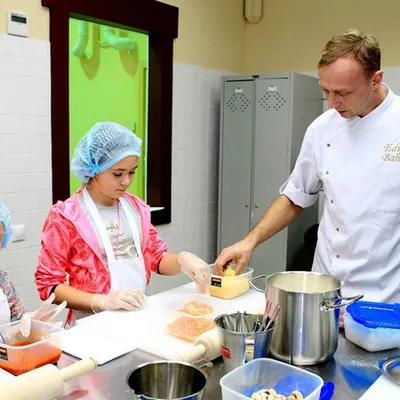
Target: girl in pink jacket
99,246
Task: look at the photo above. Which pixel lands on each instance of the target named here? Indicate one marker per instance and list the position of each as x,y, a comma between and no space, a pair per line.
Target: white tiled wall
25,161
195,148
25,148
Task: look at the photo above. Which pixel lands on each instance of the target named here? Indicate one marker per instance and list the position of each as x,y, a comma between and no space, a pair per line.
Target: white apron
124,273
5,313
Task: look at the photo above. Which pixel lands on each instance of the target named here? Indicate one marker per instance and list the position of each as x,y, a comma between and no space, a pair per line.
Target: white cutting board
382,388
83,342
147,328
4,375
157,341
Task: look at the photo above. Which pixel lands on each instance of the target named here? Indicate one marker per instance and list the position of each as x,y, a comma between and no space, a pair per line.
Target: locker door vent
238,102
272,101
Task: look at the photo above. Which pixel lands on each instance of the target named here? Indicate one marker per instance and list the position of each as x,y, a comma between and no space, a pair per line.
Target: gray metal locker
263,121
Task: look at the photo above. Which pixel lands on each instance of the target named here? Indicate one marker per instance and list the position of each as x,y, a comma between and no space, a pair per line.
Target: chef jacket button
337,229
329,145
327,172
332,201
337,256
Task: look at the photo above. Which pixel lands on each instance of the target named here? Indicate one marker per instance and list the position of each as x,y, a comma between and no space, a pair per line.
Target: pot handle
205,366
329,304
251,283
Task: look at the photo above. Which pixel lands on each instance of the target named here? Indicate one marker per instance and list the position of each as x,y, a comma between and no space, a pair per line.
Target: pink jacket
70,246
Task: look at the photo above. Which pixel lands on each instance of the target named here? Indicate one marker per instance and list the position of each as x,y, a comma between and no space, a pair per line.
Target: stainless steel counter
352,370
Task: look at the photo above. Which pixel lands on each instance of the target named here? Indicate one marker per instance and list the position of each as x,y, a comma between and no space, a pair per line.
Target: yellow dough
230,271
228,287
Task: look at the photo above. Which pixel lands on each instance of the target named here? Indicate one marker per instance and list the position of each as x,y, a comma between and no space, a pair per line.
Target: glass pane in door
108,81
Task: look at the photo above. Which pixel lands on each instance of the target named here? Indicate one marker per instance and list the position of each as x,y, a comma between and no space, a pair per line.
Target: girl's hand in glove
196,269
42,314
124,299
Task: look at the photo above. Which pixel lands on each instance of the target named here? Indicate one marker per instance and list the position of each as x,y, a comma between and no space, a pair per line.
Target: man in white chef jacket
353,152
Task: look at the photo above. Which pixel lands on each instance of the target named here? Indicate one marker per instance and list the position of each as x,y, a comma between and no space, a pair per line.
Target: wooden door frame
160,22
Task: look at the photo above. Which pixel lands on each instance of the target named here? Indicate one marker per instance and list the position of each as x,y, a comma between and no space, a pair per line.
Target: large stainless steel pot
306,330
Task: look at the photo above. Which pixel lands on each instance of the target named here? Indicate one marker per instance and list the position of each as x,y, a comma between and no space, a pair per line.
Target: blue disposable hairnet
102,147
5,218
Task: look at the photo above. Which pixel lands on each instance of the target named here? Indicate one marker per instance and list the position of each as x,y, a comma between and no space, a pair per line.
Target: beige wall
38,16
292,33
211,32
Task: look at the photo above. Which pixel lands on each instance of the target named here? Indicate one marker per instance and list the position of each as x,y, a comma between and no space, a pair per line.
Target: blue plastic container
265,373
373,326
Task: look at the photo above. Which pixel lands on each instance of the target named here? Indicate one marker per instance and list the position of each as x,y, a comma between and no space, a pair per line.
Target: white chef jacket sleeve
303,185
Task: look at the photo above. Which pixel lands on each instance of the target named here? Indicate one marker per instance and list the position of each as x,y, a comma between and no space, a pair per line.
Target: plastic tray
228,287
19,358
265,373
370,339
188,327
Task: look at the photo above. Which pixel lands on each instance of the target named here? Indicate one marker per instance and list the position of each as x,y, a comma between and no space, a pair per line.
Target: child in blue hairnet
10,306
101,238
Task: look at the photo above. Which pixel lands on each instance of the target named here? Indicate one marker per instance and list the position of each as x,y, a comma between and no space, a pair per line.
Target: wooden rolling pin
206,346
44,383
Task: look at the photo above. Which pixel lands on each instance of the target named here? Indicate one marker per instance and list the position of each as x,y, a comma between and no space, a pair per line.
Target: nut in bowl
270,394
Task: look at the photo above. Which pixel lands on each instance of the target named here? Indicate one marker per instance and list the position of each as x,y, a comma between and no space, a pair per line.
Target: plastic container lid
376,315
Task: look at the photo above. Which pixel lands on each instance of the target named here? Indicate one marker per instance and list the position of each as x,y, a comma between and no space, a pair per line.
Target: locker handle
256,206
247,204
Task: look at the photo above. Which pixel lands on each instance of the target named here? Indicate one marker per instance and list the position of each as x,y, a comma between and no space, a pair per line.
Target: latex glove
124,299
239,252
42,314
197,269
1,234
